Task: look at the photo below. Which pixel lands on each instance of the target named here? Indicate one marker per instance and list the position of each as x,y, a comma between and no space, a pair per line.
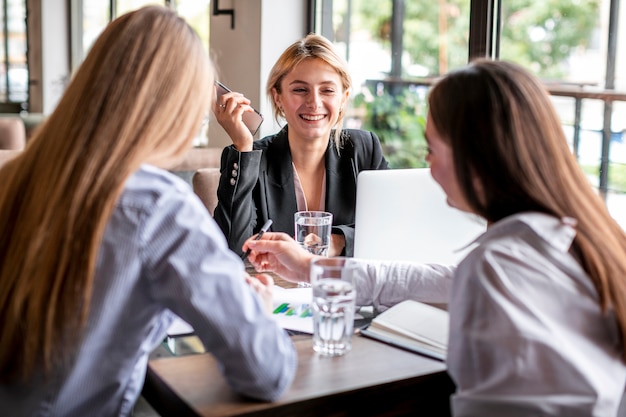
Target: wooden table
372,379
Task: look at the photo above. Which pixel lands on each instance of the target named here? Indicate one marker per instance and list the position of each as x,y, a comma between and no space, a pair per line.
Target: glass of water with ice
333,305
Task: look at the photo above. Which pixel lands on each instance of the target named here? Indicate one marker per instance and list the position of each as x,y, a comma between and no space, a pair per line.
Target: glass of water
333,305
312,231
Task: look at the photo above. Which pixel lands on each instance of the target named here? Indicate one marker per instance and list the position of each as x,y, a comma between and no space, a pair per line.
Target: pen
264,229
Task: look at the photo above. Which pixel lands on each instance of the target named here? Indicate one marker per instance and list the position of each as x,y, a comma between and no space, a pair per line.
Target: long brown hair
137,98
311,46
503,130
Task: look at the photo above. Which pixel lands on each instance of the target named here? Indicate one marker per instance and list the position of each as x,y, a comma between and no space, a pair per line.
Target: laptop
402,214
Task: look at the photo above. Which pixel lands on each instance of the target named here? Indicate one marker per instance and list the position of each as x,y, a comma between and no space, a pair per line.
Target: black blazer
258,185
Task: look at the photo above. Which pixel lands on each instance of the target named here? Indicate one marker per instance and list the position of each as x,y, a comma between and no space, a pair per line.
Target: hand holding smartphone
252,120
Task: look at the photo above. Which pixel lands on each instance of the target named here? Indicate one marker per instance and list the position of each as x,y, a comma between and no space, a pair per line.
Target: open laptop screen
402,214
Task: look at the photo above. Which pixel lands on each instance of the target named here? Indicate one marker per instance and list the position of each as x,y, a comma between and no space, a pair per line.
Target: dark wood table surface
372,379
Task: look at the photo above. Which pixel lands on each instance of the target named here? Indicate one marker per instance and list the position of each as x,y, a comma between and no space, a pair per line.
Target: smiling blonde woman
311,164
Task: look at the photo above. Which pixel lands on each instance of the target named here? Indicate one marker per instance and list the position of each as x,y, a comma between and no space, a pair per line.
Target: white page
296,313
179,327
298,300
416,320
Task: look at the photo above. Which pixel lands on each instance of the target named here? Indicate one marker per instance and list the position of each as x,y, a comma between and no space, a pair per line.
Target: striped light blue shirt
161,253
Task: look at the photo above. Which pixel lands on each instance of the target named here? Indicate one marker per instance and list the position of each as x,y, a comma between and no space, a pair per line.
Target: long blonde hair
503,129
139,97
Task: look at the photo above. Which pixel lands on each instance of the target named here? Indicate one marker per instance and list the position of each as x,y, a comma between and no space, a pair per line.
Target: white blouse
527,334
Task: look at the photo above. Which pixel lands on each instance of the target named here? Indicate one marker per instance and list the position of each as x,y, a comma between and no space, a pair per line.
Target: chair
205,182
197,158
194,159
7,155
12,133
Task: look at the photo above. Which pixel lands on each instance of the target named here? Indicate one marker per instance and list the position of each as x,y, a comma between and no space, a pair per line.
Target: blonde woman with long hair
538,307
99,245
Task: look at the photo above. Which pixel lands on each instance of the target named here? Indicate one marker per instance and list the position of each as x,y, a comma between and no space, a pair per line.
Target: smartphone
252,120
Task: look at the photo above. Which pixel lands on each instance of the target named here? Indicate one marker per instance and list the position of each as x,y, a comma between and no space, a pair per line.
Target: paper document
179,327
291,310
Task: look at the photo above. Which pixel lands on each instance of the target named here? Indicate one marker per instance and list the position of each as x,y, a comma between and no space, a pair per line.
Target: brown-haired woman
538,307
311,164
99,246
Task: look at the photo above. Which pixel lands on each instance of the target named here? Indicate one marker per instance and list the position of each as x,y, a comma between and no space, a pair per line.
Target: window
14,66
396,47
91,17
573,47
96,14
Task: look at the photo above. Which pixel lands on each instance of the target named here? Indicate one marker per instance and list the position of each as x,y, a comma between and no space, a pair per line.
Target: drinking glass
333,305
312,231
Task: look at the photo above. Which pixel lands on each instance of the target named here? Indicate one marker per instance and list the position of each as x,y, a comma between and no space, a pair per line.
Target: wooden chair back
205,182
12,133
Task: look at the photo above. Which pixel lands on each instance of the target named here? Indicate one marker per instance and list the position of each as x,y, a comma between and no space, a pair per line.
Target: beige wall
245,55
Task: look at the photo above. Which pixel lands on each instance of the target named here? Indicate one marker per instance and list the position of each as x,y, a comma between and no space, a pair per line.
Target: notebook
413,326
402,214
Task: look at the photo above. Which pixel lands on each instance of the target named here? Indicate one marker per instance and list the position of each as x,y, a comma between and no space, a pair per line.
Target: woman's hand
228,110
279,253
262,285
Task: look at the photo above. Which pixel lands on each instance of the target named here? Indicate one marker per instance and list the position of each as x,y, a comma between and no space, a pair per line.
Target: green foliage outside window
541,35
424,38
617,175
399,121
